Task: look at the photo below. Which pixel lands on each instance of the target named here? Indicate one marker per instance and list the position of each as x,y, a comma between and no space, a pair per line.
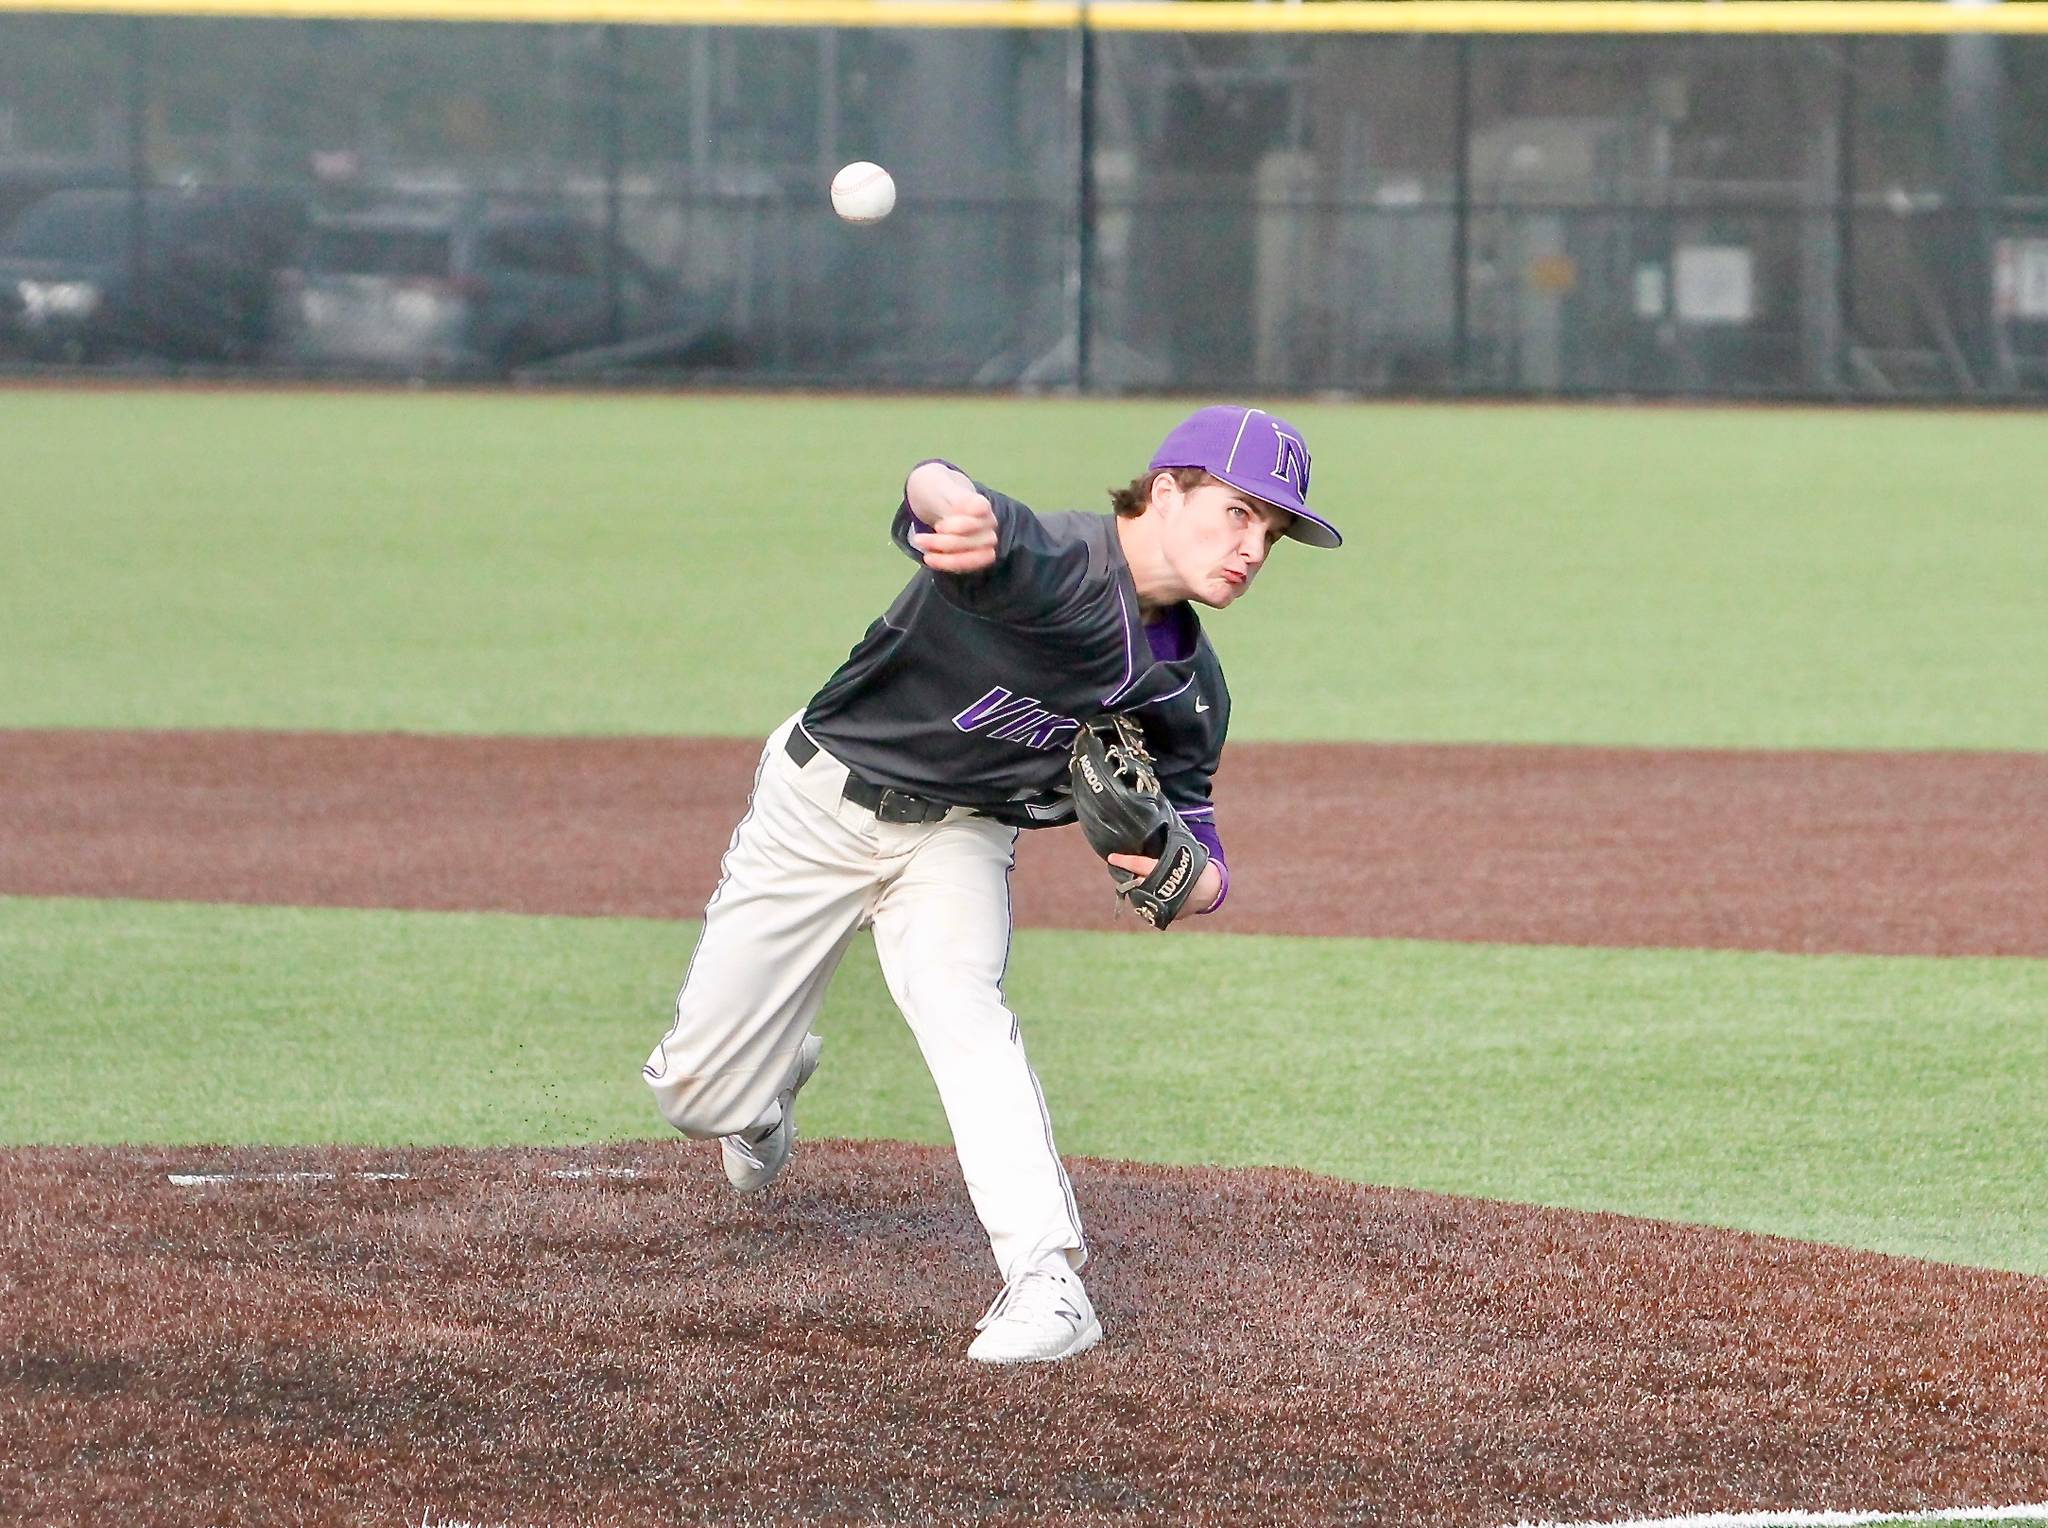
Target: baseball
863,192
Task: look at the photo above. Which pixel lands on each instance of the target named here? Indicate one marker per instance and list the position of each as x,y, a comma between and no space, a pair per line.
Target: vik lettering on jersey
971,687
1018,718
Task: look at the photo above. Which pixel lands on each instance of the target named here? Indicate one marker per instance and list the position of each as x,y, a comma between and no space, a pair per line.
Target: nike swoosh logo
1201,705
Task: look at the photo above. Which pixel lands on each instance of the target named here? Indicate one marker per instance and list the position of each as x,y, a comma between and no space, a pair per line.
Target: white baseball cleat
1043,1316
754,1157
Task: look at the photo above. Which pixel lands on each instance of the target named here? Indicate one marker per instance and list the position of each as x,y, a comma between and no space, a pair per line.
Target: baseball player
893,801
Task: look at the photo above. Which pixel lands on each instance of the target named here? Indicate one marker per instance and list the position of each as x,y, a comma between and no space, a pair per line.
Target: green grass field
696,565
541,564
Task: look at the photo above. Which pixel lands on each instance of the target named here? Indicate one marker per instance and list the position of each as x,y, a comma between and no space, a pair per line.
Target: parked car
23,185
71,287
471,289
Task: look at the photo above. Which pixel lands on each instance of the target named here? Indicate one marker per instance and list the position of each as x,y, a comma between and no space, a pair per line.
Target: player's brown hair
1131,501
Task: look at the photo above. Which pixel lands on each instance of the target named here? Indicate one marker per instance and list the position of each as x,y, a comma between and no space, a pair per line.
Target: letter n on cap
1291,465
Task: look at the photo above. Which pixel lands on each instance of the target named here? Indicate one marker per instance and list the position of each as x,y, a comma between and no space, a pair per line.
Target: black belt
887,803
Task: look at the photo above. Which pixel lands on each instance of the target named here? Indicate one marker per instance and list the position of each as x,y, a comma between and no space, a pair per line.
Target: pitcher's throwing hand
962,523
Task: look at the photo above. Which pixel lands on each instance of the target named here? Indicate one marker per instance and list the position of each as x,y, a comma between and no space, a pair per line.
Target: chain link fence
1108,209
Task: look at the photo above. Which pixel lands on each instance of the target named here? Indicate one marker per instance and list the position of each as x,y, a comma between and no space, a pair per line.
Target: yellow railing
1525,17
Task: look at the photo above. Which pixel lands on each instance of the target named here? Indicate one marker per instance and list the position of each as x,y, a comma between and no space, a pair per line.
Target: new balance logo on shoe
1043,1316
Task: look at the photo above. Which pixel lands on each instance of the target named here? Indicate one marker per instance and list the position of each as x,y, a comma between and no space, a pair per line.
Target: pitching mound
609,1336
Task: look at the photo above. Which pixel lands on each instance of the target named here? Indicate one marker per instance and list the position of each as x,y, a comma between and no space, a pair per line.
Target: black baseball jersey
970,689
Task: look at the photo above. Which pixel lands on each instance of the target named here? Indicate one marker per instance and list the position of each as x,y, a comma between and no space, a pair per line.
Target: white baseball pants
806,870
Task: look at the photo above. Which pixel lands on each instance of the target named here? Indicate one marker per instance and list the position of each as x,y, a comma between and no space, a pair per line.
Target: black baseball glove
1123,811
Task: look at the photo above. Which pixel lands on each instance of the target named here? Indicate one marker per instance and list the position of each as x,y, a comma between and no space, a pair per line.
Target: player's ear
1164,492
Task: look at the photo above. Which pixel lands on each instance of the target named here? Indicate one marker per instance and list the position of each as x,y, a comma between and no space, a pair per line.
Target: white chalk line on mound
201,1180
2034,1512
204,1180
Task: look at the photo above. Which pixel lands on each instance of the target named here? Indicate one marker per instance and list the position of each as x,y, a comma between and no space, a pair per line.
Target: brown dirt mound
1914,853
487,1342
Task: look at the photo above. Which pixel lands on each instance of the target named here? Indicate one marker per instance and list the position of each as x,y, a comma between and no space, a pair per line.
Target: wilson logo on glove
1171,886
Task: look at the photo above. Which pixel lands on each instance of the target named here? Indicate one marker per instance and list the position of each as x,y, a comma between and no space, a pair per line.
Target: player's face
1217,539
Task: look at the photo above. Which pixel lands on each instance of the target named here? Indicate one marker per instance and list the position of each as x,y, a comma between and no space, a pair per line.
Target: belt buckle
900,806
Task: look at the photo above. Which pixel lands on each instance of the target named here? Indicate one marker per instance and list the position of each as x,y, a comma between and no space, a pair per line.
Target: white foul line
2034,1512
201,1180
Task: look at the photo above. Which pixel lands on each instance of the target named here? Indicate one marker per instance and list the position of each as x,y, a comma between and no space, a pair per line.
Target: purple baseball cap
1254,452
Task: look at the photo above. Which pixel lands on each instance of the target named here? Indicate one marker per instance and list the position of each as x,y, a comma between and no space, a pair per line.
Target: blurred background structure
1273,198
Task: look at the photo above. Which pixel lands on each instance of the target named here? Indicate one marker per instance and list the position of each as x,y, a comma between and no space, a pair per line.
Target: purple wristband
1205,833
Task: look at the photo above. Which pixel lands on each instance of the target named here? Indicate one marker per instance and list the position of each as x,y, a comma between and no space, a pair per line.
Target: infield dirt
1880,853
485,1341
